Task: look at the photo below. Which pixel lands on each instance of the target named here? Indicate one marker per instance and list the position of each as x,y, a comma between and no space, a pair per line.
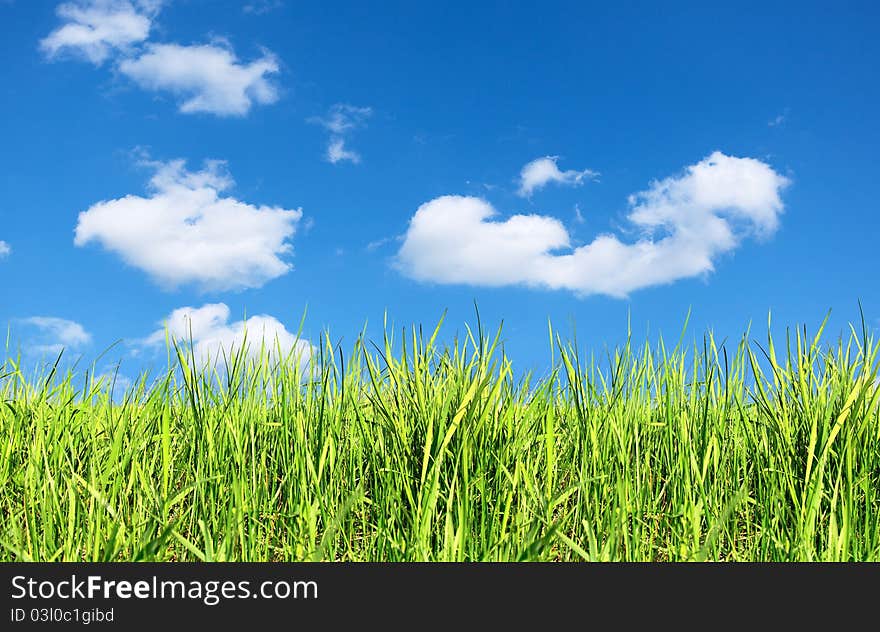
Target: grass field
408,450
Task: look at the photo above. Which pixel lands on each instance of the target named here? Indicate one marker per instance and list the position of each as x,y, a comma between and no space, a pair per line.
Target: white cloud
541,171
378,243
185,231
685,223
779,119
5,249
343,118
120,383
212,335
340,121
95,29
207,78
449,240
56,334
336,152
261,7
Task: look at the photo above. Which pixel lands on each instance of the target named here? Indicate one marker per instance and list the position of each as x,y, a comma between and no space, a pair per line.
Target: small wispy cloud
343,118
111,378
336,152
482,185
51,335
341,121
779,119
540,172
378,243
261,7
5,249
578,216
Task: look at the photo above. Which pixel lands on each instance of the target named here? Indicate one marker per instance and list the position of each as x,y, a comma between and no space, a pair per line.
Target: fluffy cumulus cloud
540,172
213,336
96,29
52,335
684,223
207,78
5,249
187,231
341,120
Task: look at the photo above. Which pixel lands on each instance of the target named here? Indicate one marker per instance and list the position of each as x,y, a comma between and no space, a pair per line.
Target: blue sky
196,161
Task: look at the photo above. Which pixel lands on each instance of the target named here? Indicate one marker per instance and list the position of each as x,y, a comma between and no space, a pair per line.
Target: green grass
409,450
